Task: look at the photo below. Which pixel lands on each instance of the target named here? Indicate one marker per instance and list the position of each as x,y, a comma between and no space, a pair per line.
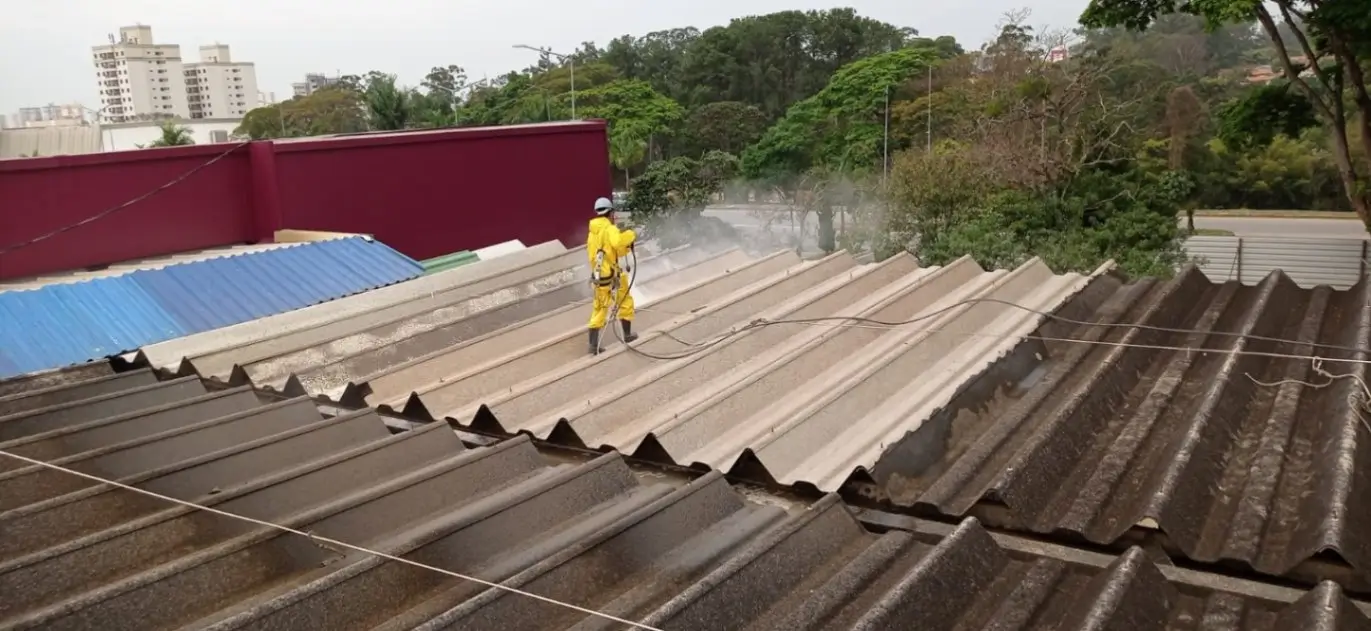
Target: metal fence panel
1217,257
1307,261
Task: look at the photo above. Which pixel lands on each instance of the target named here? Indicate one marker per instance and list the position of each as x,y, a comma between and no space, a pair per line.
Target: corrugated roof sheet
701,556
127,267
507,353
171,352
784,397
419,317
1245,458
70,323
953,415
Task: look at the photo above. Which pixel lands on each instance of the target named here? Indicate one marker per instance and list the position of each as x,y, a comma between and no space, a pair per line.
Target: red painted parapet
42,195
424,193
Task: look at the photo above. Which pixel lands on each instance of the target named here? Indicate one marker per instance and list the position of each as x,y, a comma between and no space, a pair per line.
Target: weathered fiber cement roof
506,353
967,413
368,334
1246,458
697,556
808,403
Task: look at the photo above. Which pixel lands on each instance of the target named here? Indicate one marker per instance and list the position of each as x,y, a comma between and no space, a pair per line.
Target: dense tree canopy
1076,146
1327,62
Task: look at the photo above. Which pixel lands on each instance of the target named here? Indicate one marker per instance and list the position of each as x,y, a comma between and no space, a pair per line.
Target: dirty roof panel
779,399
171,352
326,355
1248,458
693,556
62,324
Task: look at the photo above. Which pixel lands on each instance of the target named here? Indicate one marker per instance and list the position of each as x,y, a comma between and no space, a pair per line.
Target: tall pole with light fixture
571,62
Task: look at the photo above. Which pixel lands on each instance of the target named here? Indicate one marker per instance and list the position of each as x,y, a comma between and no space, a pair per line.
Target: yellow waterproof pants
601,305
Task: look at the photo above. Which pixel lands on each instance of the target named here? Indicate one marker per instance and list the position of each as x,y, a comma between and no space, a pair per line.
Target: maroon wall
40,195
431,193
423,193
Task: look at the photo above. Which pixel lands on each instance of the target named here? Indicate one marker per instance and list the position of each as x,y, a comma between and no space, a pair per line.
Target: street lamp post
457,93
98,123
571,61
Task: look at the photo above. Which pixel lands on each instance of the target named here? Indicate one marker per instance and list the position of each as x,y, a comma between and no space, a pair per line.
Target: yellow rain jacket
605,236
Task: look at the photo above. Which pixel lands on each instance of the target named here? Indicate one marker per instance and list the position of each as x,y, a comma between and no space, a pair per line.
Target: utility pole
885,149
930,108
457,94
571,61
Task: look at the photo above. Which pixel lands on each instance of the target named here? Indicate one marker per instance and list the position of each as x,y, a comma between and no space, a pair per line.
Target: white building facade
51,115
313,82
218,87
139,79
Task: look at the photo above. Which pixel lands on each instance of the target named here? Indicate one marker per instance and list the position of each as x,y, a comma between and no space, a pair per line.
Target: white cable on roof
867,323
332,542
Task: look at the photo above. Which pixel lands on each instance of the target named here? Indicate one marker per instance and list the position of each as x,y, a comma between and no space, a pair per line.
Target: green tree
773,61
1334,37
172,135
1263,112
728,126
840,127
630,103
389,107
332,110
627,147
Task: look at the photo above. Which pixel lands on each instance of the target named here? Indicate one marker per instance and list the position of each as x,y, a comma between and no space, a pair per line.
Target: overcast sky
45,48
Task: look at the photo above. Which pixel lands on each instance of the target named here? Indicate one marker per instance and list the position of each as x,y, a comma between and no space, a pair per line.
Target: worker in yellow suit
608,246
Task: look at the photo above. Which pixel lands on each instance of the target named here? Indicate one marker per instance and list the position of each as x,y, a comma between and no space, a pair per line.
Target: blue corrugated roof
59,325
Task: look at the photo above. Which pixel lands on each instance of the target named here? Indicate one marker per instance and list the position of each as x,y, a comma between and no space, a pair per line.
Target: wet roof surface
77,555
507,353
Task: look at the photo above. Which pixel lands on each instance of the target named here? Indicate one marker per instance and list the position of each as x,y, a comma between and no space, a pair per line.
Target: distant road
753,215
1272,227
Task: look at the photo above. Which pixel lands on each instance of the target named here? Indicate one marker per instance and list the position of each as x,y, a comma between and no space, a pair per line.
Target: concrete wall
423,193
125,136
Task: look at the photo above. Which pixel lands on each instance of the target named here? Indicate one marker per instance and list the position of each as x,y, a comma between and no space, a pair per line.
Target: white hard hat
603,206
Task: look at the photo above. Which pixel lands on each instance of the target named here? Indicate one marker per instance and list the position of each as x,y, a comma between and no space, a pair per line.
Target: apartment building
313,82
218,87
138,78
51,115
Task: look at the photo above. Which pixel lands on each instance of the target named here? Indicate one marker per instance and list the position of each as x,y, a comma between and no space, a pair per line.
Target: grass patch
1211,232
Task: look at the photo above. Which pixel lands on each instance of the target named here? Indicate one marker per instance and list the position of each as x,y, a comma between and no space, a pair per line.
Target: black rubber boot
594,341
629,336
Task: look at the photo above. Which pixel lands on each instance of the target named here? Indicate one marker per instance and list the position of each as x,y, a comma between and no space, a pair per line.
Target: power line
111,211
325,542
697,347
